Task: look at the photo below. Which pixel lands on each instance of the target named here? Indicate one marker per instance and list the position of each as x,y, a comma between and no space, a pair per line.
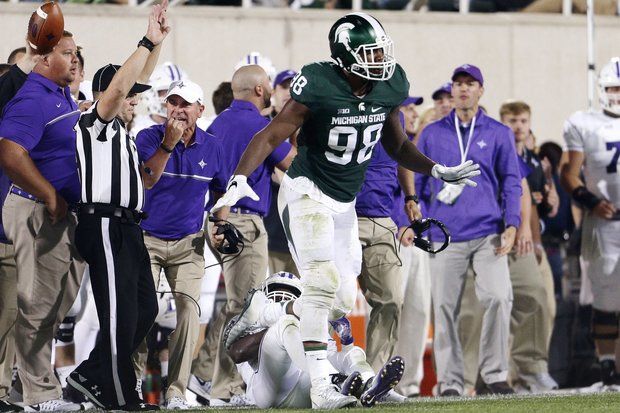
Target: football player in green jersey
343,109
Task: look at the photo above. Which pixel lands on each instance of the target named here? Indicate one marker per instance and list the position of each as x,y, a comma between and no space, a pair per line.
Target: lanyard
460,137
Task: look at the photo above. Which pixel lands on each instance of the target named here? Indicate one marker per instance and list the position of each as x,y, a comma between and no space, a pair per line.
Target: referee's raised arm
138,67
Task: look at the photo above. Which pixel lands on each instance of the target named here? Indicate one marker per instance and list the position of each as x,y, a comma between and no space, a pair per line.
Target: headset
420,226
232,236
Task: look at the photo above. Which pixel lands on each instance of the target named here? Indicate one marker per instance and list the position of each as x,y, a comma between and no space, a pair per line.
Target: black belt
111,211
246,211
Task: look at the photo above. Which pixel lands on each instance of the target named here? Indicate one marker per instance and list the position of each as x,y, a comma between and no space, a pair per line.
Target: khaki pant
415,319
493,289
241,274
547,277
282,261
182,262
8,314
529,321
381,280
46,289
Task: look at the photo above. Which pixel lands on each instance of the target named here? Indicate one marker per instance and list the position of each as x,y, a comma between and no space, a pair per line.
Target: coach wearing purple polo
37,152
184,162
381,278
234,128
483,223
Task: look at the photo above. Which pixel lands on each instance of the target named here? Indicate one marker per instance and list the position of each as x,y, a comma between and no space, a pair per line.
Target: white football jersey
597,135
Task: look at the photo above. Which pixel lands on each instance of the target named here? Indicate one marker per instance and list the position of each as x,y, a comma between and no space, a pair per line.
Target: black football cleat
352,385
384,381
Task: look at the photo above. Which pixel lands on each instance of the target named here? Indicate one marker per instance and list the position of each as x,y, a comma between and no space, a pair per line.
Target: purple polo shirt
234,128
380,187
495,202
175,205
41,118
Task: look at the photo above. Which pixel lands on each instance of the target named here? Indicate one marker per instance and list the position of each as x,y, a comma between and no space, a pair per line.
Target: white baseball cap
186,89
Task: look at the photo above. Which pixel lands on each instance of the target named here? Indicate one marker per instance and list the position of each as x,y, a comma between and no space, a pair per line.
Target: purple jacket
495,202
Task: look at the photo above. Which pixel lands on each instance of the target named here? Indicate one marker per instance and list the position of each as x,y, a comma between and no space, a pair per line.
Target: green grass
601,402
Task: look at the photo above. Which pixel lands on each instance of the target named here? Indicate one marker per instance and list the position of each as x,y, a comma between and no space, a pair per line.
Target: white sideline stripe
197,177
109,260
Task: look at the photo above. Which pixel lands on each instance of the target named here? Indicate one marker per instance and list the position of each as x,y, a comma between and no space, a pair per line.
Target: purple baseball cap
416,100
471,70
284,75
445,88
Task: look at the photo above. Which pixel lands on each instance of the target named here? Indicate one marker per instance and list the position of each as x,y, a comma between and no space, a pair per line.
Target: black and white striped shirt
108,162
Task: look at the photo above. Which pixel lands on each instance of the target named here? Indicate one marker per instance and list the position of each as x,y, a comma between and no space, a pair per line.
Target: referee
108,235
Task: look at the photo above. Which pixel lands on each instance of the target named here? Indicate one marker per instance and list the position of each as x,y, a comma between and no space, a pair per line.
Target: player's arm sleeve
10,83
23,122
573,136
147,142
278,154
509,174
305,87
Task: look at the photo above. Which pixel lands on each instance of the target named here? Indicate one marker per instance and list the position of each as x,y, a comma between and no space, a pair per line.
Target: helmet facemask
367,67
609,77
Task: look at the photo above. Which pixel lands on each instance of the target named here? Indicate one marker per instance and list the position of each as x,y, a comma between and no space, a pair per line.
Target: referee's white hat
188,90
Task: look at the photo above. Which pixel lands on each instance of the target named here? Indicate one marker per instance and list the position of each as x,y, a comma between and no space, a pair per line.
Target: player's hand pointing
237,189
457,174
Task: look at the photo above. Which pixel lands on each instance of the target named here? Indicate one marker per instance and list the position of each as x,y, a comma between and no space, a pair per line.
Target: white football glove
237,188
457,174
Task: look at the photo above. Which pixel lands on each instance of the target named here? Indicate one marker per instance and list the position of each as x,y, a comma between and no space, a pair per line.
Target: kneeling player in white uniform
593,141
272,361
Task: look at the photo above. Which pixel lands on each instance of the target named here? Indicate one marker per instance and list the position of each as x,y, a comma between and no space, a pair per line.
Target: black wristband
585,197
413,198
146,43
165,148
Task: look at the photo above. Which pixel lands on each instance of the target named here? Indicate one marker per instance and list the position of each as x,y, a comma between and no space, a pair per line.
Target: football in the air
45,28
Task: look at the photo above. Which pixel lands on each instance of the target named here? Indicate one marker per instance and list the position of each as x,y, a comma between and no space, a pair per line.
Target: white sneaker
392,397
56,405
327,396
538,383
237,400
176,403
199,387
255,301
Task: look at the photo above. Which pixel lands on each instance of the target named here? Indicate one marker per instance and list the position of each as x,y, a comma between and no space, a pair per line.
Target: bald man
234,128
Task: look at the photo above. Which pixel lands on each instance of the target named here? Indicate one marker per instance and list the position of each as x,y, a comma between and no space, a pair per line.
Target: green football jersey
336,142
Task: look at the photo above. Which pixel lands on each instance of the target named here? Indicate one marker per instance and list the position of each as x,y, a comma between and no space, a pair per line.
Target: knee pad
64,334
321,283
604,325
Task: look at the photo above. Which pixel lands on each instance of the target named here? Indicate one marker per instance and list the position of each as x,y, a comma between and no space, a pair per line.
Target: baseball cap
471,70
188,90
284,75
445,88
103,78
416,100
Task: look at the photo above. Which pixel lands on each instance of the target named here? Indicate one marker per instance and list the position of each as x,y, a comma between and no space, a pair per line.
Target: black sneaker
608,373
450,393
352,385
384,381
71,394
91,390
499,387
139,407
6,406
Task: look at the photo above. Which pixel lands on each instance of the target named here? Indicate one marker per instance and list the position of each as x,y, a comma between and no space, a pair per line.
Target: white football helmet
610,77
282,286
160,80
255,58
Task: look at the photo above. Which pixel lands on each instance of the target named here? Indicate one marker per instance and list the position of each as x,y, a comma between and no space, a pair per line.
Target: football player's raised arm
401,149
264,142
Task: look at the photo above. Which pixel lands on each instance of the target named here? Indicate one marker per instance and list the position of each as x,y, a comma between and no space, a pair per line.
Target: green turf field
602,402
